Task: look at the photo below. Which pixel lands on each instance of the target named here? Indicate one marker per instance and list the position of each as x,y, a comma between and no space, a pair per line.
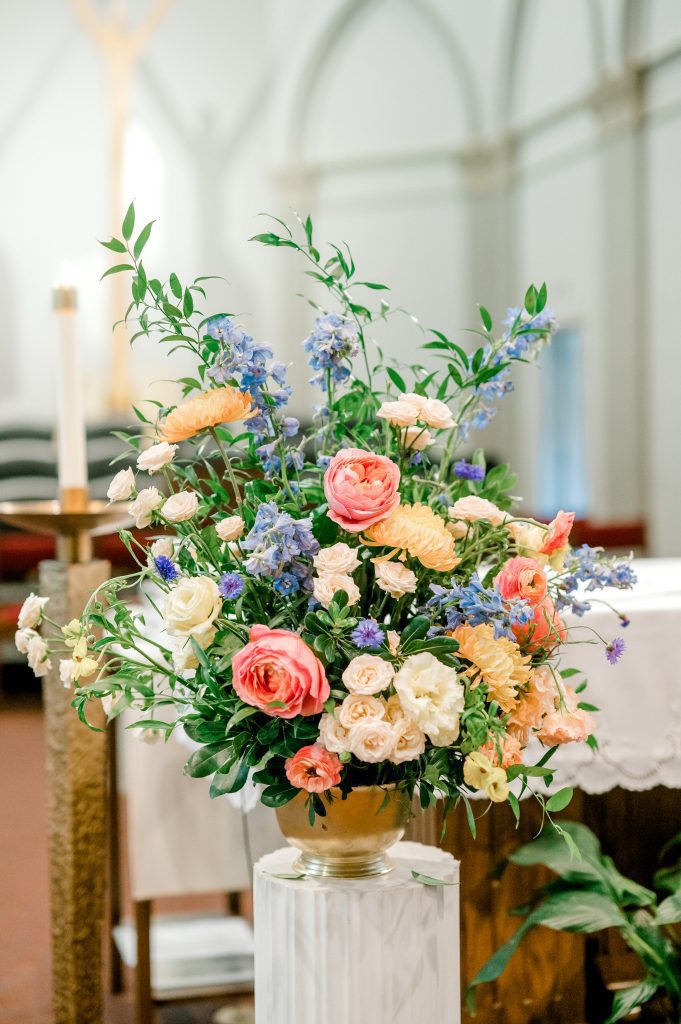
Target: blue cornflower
468,470
615,650
368,633
333,343
231,585
166,569
286,584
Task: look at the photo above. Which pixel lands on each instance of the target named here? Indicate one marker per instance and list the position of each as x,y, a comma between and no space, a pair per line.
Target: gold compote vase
352,839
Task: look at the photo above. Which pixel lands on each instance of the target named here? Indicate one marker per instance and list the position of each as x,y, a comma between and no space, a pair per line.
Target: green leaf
415,630
627,999
116,270
429,880
486,319
175,286
396,378
541,298
187,304
560,800
669,911
115,245
129,222
207,760
142,240
531,300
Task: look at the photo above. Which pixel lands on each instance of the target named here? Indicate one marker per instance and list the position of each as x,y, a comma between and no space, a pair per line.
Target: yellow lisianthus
418,531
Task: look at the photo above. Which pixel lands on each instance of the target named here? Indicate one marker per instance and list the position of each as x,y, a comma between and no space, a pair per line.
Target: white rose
37,656
31,612
395,578
358,707
67,671
401,413
368,674
372,740
22,638
122,485
394,711
230,529
333,735
146,502
183,655
473,508
191,607
164,547
409,741
431,696
156,457
180,506
324,587
436,414
337,560
416,438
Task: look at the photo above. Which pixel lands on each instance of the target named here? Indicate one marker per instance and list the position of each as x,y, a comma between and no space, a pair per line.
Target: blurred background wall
463,148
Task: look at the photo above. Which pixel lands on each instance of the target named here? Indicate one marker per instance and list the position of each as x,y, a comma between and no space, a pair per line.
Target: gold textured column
76,795
426,826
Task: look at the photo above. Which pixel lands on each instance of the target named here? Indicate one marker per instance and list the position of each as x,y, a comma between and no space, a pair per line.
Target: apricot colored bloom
568,723
500,665
522,578
418,531
537,700
509,749
313,768
209,409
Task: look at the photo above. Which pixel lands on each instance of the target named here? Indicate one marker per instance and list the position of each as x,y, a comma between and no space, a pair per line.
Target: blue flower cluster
523,338
468,471
247,362
332,345
277,541
475,605
587,565
270,455
166,569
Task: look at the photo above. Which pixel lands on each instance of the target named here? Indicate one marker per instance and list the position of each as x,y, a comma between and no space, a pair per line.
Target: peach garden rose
361,488
279,674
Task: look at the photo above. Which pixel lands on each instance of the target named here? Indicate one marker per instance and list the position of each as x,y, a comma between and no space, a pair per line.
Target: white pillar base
379,950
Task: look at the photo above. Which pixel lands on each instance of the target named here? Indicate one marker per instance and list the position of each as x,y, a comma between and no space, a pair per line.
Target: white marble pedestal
379,950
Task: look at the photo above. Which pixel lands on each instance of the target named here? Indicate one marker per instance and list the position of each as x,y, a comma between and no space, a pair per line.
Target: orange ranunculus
209,409
314,769
522,578
418,531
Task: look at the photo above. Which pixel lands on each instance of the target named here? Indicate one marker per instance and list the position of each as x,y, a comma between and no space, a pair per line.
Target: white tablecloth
639,722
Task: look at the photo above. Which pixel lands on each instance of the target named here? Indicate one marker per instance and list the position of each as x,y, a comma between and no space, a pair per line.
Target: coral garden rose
191,607
277,667
368,674
361,488
324,587
338,559
418,531
209,409
524,578
122,485
472,509
546,630
230,528
313,769
395,578
431,696
156,457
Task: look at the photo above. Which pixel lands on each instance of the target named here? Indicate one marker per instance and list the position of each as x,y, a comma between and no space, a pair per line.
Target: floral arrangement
353,603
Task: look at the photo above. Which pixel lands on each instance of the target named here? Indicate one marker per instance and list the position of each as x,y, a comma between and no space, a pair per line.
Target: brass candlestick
76,757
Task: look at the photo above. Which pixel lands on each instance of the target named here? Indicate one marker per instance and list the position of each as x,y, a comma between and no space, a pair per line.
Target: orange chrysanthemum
501,666
209,409
418,531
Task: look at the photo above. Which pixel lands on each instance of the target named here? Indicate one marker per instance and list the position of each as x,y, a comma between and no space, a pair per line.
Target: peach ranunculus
418,531
508,747
568,723
522,578
313,768
277,667
472,508
537,700
545,631
209,409
558,533
496,661
361,488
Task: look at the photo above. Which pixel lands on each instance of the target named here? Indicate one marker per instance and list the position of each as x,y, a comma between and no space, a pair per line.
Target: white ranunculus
395,578
146,502
416,439
401,413
324,587
410,741
368,674
31,611
67,671
230,529
339,559
358,707
22,638
333,735
156,457
37,656
164,547
431,696
372,740
191,607
180,506
122,485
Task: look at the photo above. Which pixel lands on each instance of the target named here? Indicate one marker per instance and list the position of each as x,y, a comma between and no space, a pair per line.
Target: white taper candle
71,452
